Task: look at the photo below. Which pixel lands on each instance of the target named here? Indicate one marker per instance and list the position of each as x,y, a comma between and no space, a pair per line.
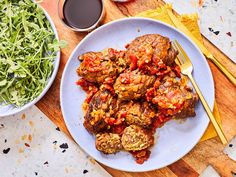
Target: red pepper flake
27,145
229,34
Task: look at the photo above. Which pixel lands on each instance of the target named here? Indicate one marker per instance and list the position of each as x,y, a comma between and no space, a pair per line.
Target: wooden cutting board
208,152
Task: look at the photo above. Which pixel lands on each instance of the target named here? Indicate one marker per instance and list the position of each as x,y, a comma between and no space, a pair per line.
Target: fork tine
182,52
179,56
177,61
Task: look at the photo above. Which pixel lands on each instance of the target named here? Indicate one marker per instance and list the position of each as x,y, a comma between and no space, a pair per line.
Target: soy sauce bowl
61,14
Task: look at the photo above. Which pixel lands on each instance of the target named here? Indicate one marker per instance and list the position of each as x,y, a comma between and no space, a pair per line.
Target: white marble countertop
217,21
31,145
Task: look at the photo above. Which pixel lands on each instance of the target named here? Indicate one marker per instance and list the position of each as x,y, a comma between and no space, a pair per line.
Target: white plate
11,109
174,139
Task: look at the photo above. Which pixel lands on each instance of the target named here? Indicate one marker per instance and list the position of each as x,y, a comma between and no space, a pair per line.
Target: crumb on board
92,160
21,150
30,138
23,137
23,116
66,169
31,123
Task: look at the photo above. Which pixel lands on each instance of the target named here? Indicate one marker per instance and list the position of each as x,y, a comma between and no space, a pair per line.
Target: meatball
108,143
102,105
132,85
135,138
101,67
151,47
175,98
152,54
138,113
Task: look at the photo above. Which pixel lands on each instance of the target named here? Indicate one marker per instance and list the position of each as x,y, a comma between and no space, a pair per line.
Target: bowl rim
50,79
211,82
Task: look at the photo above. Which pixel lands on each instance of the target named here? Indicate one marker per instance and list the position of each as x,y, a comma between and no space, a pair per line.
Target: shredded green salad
27,51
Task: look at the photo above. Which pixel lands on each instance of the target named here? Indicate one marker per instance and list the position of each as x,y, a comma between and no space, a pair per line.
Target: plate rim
100,28
50,79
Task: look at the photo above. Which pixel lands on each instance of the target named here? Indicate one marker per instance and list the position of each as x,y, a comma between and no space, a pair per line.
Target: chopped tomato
163,72
133,60
141,155
116,53
93,63
118,129
109,88
86,85
113,121
150,94
90,95
157,83
177,71
109,80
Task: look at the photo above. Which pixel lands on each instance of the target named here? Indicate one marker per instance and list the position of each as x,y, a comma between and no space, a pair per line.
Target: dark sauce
82,13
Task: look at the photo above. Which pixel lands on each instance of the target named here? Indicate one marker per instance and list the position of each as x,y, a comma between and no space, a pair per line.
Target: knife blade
204,50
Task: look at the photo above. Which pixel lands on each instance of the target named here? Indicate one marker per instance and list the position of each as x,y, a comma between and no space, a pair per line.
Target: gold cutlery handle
209,113
229,75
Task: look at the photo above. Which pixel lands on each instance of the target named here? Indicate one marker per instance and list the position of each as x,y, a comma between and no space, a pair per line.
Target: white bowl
11,109
174,140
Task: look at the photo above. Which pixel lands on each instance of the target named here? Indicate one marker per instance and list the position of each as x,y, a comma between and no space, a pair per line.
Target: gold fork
186,68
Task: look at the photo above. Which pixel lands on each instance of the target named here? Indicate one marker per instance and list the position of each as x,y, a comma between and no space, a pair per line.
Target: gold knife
204,50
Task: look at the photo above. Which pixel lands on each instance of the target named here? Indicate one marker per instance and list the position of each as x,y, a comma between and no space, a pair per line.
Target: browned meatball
103,105
108,143
151,47
132,85
175,98
138,113
135,138
99,66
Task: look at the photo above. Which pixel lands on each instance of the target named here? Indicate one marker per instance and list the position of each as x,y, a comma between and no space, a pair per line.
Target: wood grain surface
204,153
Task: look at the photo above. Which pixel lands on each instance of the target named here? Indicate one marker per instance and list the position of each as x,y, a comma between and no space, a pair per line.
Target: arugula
27,51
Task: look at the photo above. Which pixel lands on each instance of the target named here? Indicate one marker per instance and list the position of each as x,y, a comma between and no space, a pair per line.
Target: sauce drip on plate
82,13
